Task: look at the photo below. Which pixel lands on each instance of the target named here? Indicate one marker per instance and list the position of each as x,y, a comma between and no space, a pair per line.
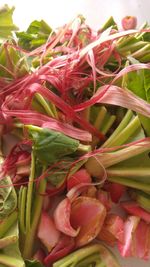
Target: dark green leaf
51,146
8,198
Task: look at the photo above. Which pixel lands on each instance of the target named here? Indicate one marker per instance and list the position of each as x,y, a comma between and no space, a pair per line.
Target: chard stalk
132,47
126,133
118,130
36,213
96,253
141,52
107,125
30,193
129,172
77,256
100,117
22,208
94,165
109,159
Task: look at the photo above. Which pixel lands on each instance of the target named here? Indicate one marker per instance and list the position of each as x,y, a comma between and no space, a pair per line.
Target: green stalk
94,165
109,142
100,117
36,213
22,208
109,159
77,256
130,172
124,41
106,126
45,105
84,255
129,183
142,198
92,258
141,52
126,133
30,193
84,148
132,47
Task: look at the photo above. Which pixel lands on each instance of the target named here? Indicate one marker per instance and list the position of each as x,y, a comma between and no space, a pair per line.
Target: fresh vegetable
76,103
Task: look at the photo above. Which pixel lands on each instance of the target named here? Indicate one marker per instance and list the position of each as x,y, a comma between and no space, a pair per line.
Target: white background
58,12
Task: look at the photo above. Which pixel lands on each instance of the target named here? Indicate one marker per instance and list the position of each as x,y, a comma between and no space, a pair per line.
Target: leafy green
6,22
13,63
33,263
36,35
6,223
136,83
139,83
51,146
8,198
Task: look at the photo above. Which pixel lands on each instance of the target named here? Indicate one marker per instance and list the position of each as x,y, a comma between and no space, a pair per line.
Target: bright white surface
58,12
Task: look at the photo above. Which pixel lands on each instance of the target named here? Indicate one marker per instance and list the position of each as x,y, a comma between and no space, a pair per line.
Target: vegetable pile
76,103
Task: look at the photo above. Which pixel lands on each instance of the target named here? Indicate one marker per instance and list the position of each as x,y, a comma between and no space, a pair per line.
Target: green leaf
33,263
51,146
136,83
6,22
8,197
36,35
13,63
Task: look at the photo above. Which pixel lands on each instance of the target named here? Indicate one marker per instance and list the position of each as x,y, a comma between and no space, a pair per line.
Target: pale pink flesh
130,225
104,198
134,209
141,241
88,214
62,218
112,230
47,232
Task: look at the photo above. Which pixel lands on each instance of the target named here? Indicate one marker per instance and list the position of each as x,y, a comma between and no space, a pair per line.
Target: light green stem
108,124
129,172
100,117
30,193
109,159
45,105
22,208
36,213
119,129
